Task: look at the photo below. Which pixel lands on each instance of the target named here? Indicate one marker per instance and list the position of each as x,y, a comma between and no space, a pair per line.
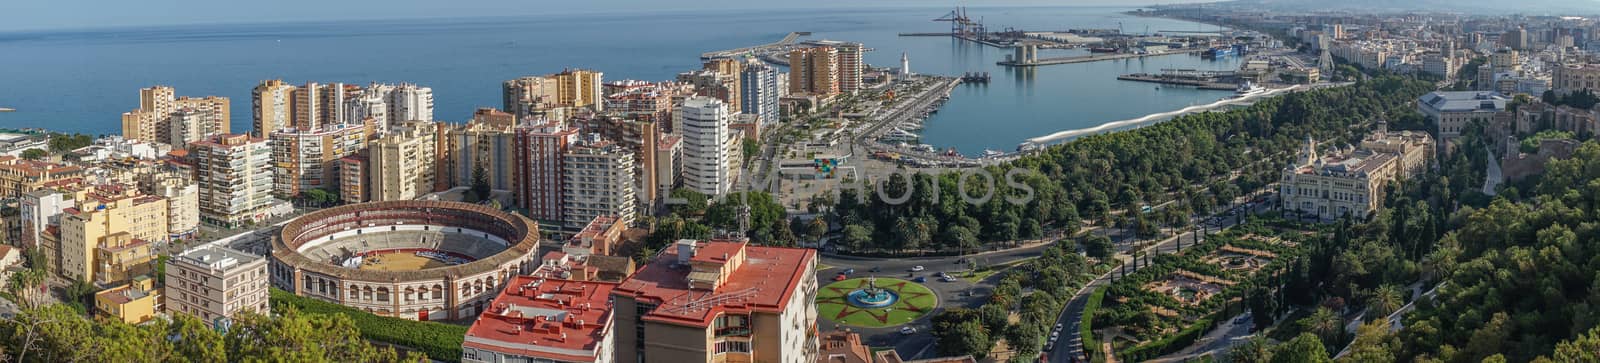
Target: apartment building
135,302
546,320
552,96
814,71
234,173
597,180
479,147
758,84
107,238
19,176
401,165
183,200
212,282
271,107
706,161
159,107
540,159
636,136
305,159
719,301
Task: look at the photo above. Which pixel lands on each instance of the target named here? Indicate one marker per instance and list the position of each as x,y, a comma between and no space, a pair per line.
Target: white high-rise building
905,64
410,102
704,126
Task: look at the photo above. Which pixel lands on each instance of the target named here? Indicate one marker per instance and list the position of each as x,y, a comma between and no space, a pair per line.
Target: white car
1054,334
908,330
917,268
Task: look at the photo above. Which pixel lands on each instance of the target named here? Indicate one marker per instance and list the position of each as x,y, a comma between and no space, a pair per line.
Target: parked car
948,279
1241,319
917,268
908,330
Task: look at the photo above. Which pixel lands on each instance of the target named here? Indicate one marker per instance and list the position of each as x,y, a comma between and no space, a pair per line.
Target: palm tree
1384,301
1254,350
1324,323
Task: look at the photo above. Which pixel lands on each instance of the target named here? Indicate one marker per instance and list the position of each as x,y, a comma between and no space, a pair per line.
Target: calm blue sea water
81,81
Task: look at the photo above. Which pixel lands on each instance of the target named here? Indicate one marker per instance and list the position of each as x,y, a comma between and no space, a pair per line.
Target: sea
82,80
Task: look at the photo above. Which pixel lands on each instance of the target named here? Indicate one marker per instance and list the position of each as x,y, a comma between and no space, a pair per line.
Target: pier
1197,83
787,40
1091,58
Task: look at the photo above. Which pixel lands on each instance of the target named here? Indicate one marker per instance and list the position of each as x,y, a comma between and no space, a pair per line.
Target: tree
1374,344
1098,246
1254,350
817,228
694,203
480,184
1384,301
64,142
1305,348
34,154
1326,324
856,236
968,338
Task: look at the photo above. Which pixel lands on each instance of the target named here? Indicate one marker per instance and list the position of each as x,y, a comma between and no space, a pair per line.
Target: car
941,274
920,279
917,268
961,260
908,330
1058,326
1242,319
1055,334
875,269
848,271
840,277
948,279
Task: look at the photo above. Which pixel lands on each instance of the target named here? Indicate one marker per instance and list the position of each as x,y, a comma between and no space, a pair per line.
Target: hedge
1175,342
438,340
1086,328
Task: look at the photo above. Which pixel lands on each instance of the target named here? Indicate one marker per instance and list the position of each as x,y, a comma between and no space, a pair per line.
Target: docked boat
1103,49
989,153
1248,89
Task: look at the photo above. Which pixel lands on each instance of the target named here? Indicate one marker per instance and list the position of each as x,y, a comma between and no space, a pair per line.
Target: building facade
598,180
305,159
540,159
402,163
706,162
759,86
1576,77
814,71
234,174
705,301
1451,112
212,282
1352,182
547,95
544,320
271,107
107,238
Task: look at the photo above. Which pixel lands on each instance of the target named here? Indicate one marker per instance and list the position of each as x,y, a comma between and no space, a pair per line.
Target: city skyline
46,16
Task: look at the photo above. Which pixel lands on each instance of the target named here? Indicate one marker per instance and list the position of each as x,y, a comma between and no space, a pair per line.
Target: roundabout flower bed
912,301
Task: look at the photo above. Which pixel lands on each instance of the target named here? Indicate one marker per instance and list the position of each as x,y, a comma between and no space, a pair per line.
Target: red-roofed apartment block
719,301
544,320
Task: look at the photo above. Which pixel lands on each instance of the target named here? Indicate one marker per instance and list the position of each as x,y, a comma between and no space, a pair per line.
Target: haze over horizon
112,13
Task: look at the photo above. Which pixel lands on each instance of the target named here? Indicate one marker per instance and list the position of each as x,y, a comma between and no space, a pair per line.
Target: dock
1094,58
1197,83
786,41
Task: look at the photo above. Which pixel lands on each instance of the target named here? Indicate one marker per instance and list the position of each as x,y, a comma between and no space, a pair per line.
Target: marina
1023,62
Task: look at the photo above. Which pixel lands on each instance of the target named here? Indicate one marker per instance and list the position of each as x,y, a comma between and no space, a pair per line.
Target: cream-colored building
107,238
598,178
183,200
271,107
159,107
234,173
1451,112
305,159
402,164
1352,182
548,95
211,282
135,302
1576,77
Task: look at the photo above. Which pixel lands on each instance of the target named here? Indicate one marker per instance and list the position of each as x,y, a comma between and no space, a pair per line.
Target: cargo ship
1103,49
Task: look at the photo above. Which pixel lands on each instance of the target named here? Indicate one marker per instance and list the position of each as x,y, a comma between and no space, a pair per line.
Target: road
920,345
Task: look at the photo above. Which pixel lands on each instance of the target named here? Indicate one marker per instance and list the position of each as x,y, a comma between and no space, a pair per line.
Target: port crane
961,24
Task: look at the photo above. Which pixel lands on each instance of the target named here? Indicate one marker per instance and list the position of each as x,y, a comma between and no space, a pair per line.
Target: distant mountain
1527,7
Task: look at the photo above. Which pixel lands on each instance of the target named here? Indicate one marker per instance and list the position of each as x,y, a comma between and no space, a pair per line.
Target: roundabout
875,302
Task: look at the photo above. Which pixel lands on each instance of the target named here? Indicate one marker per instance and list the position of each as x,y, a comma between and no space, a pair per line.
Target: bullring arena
423,260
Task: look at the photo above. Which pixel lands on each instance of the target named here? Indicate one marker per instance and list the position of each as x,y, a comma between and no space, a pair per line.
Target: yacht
1248,89
989,153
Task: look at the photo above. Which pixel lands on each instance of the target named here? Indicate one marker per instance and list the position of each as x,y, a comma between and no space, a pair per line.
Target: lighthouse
905,64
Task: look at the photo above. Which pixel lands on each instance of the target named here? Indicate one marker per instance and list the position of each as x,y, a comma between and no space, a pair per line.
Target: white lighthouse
905,64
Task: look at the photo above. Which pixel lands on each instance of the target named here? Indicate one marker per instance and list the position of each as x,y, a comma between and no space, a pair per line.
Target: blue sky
70,14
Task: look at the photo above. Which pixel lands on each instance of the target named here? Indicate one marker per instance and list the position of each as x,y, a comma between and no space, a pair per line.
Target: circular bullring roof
520,234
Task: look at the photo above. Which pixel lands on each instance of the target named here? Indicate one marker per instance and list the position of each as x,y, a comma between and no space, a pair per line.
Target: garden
875,302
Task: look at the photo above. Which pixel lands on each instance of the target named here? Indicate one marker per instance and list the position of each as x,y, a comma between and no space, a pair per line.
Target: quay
786,41
1198,83
1092,58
